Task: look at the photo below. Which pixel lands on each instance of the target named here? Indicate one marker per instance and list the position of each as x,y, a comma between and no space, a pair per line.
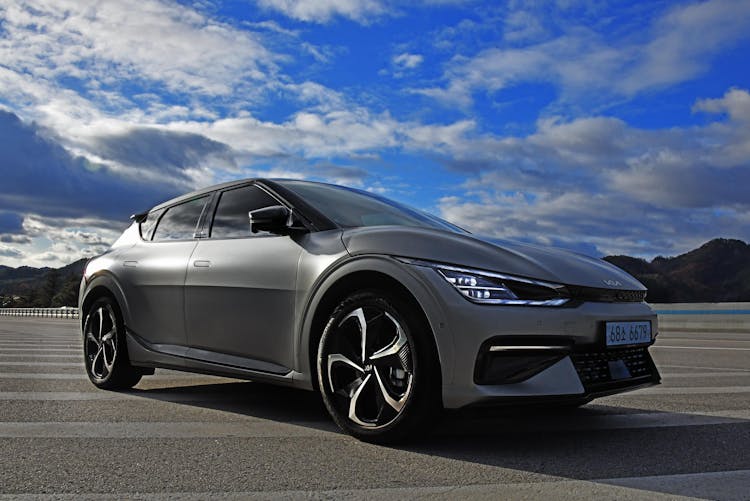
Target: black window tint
180,221
351,208
148,226
231,218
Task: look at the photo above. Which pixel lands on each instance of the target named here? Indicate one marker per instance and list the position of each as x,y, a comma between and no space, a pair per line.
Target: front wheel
376,368
104,348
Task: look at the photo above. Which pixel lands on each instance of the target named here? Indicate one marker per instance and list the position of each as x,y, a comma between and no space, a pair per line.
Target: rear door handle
201,263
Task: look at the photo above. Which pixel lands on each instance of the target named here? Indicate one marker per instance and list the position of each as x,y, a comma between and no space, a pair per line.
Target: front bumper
554,353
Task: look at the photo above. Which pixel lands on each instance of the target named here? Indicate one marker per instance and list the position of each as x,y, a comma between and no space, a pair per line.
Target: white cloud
523,26
361,11
735,103
407,60
321,11
599,180
586,61
310,134
108,42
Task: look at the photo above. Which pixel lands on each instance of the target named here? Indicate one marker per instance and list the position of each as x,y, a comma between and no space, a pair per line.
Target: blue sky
605,127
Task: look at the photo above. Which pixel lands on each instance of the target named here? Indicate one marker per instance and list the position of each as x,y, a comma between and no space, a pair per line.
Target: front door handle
201,263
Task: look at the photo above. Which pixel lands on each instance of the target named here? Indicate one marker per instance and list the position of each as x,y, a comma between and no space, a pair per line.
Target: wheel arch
369,272
103,284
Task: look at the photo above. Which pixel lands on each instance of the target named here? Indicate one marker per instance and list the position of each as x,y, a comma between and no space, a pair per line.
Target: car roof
202,191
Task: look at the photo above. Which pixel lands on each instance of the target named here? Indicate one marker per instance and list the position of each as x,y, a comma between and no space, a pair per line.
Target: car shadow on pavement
592,442
258,400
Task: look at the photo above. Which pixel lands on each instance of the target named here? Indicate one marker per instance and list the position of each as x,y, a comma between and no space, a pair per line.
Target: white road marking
37,375
693,375
698,348
725,485
35,350
38,342
41,355
672,390
40,364
703,367
246,429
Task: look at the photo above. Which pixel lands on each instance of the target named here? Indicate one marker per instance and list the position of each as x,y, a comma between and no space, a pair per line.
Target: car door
240,288
153,274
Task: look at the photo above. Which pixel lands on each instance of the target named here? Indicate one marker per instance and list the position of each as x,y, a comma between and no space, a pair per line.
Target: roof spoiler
140,217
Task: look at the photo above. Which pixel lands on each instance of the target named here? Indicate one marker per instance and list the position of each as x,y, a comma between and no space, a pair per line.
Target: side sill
144,354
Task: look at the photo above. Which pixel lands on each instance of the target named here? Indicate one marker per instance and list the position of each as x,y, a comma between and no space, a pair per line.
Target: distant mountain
717,271
28,287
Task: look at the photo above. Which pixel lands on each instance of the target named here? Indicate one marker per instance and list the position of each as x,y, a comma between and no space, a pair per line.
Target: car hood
525,260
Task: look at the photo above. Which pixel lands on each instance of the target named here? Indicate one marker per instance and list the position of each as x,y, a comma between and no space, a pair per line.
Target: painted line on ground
41,364
40,355
725,485
672,390
35,350
41,345
581,422
692,375
252,428
735,311
704,367
698,348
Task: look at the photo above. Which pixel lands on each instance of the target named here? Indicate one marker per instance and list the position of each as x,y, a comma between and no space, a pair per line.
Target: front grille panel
603,368
606,295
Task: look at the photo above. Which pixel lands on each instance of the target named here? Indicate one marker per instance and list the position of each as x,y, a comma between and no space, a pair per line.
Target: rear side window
231,219
181,221
149,225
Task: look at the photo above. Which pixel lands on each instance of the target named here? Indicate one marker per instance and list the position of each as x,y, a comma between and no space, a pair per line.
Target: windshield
349,208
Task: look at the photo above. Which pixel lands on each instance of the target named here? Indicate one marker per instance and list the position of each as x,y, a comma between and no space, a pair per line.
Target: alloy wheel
369,367
100,332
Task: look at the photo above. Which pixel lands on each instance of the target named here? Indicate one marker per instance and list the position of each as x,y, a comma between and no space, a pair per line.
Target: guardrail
40,312
703,317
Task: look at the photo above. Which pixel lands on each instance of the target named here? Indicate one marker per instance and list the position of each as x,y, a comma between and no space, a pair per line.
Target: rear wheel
104,348
375,362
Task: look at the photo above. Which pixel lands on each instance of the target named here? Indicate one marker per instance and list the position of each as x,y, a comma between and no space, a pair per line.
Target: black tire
393,380
105,350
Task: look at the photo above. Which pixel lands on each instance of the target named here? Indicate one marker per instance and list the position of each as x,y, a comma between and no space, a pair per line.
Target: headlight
498,288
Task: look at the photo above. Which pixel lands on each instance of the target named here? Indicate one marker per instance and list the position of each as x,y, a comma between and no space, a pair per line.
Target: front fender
428,300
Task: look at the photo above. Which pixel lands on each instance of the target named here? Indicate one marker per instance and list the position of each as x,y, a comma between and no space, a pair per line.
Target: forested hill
27,287
717,271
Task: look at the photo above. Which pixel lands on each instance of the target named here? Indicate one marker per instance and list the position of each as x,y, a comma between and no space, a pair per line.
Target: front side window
181,221
231,219
149,225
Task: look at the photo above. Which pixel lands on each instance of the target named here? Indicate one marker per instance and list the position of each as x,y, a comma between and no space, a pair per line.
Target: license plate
626,333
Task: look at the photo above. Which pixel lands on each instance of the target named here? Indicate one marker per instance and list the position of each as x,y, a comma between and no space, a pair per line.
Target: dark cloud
41,177
11,252
15,239
168,151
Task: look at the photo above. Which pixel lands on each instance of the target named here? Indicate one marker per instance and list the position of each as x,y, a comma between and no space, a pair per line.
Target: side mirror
274,219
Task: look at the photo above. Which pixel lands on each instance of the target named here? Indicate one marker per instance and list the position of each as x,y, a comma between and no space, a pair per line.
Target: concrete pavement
184,436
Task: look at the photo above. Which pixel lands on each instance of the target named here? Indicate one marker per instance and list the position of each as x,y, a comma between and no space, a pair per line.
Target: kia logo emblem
612,283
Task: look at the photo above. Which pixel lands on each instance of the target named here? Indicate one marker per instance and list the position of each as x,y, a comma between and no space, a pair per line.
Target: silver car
390,313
